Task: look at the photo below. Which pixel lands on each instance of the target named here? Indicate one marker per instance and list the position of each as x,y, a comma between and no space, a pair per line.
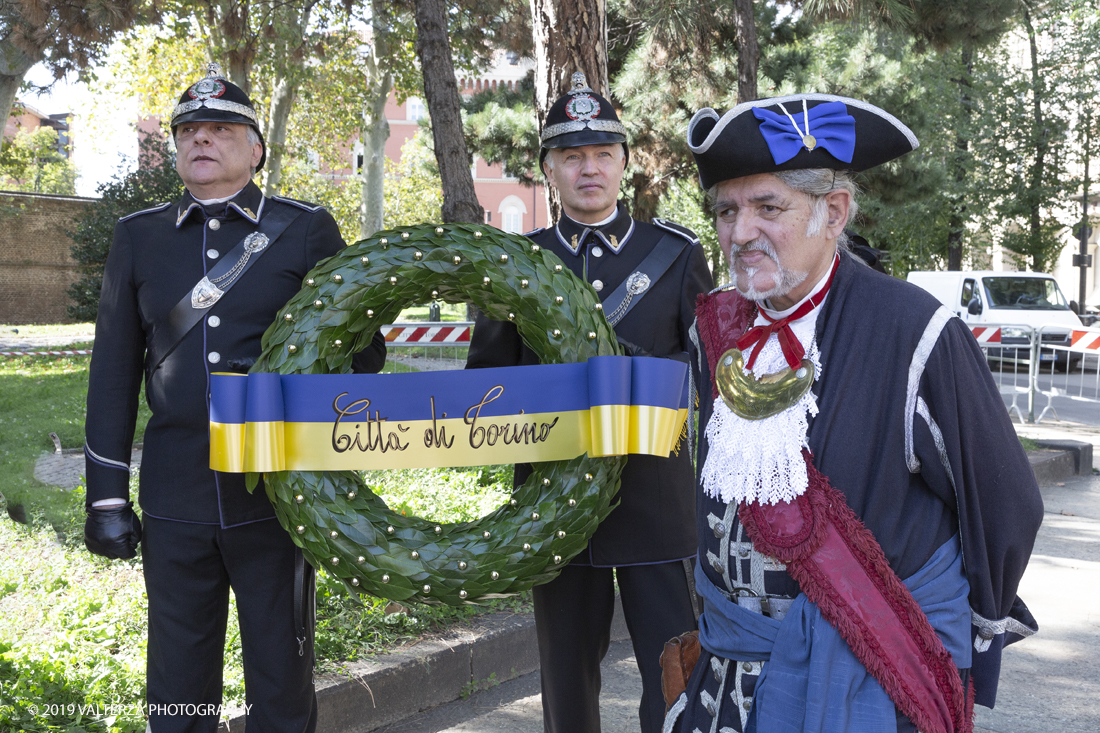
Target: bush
154,182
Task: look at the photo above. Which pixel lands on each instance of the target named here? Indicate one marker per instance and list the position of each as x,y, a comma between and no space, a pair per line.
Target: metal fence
1037,366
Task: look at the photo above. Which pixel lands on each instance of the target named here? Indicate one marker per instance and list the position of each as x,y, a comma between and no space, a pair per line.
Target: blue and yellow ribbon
608,406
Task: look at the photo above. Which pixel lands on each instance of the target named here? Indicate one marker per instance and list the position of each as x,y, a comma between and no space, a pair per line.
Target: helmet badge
582,108
209,87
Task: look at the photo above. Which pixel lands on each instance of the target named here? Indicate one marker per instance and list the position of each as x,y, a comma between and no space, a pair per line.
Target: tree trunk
228,21
14,65
282,100
748,54
441,95
1038,169
375,129
570,35
285,92
647,196
956,223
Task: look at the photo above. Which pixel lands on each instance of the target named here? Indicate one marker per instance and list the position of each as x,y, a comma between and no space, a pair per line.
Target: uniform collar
573,234
249,203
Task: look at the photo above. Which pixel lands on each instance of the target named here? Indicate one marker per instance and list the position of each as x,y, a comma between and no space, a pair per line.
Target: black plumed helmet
216,99
581,117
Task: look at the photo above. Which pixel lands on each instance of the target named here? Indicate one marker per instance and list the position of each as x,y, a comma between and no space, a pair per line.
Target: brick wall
36,268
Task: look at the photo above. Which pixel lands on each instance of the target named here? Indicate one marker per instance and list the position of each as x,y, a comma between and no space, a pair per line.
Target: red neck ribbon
792,347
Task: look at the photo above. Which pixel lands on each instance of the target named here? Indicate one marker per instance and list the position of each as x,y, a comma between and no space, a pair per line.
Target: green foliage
72,637
413,192
685,203
40,395
500,127
73,630
32,162
152,183
442,494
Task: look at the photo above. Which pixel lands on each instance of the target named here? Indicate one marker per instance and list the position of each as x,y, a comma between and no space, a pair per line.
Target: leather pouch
677,661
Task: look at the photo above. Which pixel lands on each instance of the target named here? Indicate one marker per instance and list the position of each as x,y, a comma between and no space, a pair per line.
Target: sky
99,153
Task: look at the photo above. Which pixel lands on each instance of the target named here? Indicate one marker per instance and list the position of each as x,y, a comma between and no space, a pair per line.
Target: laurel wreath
349,531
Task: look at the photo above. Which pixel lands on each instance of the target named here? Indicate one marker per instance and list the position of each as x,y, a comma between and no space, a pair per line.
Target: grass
67,330
72,625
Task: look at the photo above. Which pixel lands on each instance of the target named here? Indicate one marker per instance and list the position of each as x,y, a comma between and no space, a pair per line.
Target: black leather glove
113,532
240,366
631,349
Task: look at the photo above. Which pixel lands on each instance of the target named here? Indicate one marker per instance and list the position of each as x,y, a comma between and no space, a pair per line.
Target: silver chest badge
637,283
207,292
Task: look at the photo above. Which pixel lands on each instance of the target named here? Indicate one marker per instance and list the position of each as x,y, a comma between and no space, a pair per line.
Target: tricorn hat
216,99
581,117
793,133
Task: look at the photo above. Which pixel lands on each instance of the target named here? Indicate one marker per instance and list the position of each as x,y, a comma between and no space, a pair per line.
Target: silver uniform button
598,285
597,251
213,357
214,224
213,253
214,321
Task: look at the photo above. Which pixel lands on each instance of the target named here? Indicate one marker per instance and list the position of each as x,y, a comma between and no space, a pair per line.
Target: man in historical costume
865,510
647,276
189,289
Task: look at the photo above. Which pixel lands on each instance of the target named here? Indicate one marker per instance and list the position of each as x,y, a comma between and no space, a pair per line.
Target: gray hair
253,138
814,183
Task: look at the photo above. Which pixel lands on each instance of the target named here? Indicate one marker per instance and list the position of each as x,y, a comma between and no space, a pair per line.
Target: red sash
841,568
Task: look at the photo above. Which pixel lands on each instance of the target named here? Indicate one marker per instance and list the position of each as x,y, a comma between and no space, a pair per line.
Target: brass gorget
771,394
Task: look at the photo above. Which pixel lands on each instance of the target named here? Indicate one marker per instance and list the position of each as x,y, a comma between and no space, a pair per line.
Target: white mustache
759,245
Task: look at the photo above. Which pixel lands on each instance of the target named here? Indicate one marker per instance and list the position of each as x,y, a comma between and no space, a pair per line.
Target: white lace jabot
761,460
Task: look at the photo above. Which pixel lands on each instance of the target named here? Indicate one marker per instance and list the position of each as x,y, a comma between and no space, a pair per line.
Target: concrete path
1050,683
516,706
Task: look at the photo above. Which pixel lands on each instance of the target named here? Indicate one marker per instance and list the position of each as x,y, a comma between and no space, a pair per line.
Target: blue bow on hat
830,127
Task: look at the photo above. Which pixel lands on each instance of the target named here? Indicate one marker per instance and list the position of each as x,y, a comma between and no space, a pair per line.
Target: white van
1016,298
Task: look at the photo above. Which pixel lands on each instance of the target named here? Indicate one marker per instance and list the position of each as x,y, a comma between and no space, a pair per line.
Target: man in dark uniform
189,289
647,538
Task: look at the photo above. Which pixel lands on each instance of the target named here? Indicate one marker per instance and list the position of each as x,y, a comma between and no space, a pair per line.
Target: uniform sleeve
323,241
697,280
968,452
494,344
115,377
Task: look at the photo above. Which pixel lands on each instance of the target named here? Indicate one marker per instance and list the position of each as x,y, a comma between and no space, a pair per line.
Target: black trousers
189,570
573,621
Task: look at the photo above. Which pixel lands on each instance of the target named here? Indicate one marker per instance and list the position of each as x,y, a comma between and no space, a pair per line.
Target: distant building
26,117
509,205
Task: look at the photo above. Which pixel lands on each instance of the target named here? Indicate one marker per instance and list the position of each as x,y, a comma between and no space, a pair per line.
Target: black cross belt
199,300
639,282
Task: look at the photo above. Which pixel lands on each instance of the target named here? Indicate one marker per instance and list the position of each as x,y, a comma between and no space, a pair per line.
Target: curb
495,648
1060,460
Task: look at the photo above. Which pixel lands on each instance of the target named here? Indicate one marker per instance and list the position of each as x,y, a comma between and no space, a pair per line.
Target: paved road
1073,397
516,706
1049,683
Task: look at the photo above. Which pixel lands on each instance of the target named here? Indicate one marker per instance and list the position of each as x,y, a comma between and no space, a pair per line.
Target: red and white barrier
987,334
397,334
1084,341
427,334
